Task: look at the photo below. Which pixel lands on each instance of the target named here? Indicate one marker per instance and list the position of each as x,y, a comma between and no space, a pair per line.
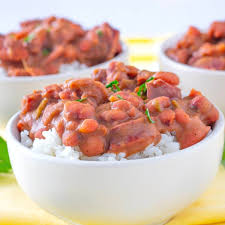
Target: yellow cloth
209,208
17,209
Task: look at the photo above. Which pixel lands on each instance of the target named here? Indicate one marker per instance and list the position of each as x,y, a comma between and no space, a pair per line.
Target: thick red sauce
122,109
42,46
201,49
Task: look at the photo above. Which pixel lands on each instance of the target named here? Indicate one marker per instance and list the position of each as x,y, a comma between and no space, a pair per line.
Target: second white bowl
12,89
210,82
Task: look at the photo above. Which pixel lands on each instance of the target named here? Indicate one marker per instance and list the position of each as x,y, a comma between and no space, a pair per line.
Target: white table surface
134,18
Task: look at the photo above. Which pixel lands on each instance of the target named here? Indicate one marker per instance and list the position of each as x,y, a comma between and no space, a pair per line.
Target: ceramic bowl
12,89
134,192
210,82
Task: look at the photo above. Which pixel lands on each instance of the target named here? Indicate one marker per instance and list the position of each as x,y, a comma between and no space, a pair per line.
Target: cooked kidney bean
168,77
88,126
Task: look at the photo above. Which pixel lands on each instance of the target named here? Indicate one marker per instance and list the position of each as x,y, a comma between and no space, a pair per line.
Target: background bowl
136,192
12,89
210,82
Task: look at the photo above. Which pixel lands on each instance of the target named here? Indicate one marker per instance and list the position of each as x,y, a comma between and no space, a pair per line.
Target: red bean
170,78
167,116
93,145
70,138
181,116
88,126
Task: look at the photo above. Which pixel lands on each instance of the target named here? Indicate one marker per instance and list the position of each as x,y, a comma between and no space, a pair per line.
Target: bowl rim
12,125
170,42
15,79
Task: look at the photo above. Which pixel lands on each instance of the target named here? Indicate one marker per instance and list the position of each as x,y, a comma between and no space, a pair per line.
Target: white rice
3,72
69,68
52,145
64,68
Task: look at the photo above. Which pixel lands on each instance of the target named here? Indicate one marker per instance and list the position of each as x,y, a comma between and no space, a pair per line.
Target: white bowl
12,89
210,82
135,192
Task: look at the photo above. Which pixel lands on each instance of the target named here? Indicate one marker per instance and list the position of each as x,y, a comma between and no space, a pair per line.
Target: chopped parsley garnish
149,79
149,117
5,165
28,38
99,33
114,85
118,96
45,52
81,100
142,88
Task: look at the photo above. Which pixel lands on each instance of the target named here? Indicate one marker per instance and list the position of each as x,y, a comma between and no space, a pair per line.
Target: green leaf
28,38
99,33
142,88
81,100
149,79
5,165
119,96
114,85
148,116
223,158
45,52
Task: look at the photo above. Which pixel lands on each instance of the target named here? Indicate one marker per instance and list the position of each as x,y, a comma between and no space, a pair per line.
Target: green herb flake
142,88
28,38
114,85
99,33
45,52
149,117
119,96
81,100
149,79
5,165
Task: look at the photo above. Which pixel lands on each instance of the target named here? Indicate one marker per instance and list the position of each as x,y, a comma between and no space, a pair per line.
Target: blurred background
134,18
